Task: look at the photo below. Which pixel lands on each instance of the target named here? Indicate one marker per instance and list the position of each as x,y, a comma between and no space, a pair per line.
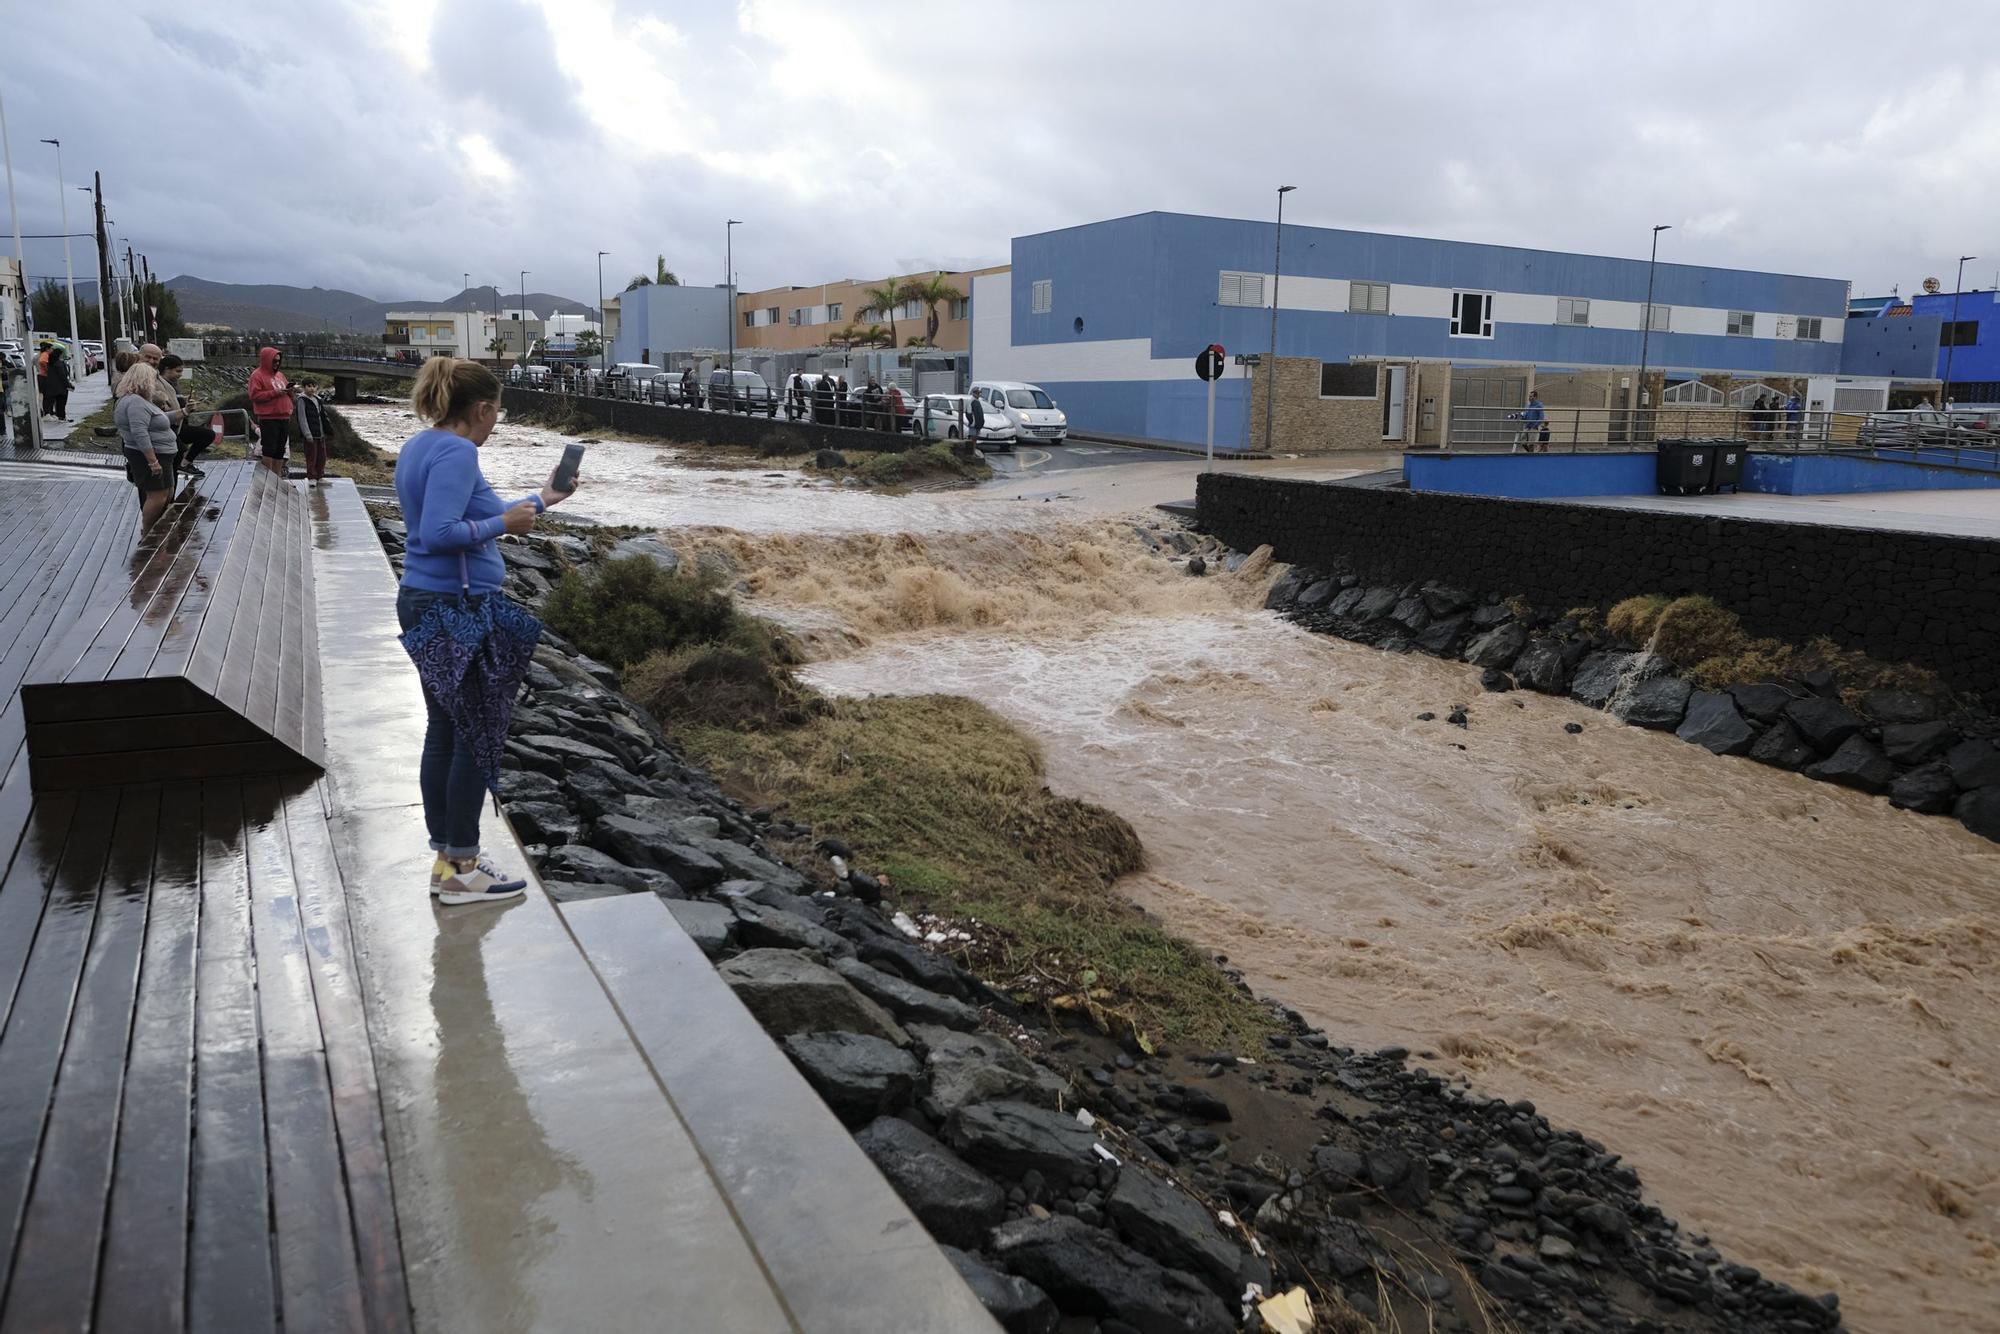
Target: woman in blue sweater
453,517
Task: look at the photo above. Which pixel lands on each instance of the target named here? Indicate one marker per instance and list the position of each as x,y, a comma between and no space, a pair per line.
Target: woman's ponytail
448,388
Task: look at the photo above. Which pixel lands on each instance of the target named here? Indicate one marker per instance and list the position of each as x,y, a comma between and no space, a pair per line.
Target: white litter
1106,1155
1228,1219
1083,1115
1288,1313
839,867
901,921
936,937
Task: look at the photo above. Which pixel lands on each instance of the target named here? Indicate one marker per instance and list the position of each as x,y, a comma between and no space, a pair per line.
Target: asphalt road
1035,460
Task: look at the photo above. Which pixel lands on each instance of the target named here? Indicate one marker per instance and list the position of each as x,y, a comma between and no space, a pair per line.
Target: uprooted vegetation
948,800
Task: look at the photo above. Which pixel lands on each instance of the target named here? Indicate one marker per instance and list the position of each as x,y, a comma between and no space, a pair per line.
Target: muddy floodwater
1780,1000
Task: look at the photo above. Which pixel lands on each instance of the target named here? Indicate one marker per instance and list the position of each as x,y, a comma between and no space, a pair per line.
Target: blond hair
142,380
447,388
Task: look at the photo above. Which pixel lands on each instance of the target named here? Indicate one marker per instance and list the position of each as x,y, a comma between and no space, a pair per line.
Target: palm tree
882,300
498,347
877,336
638,280
663,275
930,291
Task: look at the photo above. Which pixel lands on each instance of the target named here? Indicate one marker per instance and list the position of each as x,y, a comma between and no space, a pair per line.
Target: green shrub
721,685
624,611
919,464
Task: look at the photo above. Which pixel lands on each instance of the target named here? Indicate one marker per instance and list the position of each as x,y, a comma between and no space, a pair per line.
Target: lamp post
1646,315
1951,346
523,314
69,269
1271,372
729,286
34,440
601,364
465,289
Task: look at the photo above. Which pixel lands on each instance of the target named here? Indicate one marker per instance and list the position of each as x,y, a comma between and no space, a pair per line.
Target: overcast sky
388,146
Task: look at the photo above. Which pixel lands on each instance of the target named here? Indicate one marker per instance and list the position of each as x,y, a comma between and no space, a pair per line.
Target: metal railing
1581,430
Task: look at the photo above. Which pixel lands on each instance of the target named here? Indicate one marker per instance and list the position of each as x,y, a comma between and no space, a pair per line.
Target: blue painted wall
1980,363
1846,474
1904,347
1533,476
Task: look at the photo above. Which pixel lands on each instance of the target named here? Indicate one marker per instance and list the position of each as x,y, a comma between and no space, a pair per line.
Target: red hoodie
269,390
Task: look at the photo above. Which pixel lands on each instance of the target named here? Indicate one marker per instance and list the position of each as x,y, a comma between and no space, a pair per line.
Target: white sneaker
441,871
482,884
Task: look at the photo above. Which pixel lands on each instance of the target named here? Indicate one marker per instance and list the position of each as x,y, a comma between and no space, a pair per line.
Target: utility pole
601,365
131,286
146,296
34,440
69,268
1646,324
523,314
465,289
1271,372
96,192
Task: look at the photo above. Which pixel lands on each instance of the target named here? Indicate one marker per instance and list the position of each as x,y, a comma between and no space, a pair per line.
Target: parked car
1028,408
943,417
1916,427
632,378
740,391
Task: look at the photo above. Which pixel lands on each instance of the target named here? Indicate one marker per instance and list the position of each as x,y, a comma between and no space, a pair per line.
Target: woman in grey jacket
147,433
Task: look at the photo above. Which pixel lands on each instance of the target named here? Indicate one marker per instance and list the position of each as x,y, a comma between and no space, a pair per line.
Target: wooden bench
195,657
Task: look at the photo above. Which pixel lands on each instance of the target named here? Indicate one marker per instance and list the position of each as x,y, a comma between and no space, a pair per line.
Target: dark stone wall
714,428
1900,597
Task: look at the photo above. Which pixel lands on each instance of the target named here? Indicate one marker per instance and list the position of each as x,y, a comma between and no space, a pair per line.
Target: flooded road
1780,1000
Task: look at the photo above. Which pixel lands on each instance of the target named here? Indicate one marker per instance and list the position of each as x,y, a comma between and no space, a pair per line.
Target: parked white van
1033,413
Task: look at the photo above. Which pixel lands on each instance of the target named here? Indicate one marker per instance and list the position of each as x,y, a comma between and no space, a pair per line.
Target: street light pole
465,290
1271,372
1646,315
602,366
34,440
523,314
96,192
69,269
729,286
1952,346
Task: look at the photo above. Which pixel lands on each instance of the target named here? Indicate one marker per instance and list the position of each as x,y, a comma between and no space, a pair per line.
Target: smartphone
564,480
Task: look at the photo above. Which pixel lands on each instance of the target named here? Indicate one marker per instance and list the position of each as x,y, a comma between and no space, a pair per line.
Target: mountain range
277,306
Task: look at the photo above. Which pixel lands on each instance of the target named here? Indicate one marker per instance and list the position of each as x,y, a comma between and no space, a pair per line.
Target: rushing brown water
1777,998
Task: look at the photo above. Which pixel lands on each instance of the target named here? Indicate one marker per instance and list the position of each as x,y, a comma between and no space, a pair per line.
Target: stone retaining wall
1901,597
713,428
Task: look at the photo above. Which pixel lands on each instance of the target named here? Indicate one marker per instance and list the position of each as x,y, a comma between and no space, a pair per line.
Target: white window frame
1458,320
1692,394
1041,296
960,308
1657,318
1813,322
1236,288
1367,298
833,312
1741,324
1573,310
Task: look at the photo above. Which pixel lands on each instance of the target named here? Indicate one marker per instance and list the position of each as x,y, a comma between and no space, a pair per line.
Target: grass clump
950,802
1633,619
1695,629
933,462
1588,620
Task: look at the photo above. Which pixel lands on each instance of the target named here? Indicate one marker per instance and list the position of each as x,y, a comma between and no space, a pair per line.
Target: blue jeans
449,778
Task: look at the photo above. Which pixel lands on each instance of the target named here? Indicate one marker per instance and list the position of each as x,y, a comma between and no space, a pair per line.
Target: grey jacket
141,423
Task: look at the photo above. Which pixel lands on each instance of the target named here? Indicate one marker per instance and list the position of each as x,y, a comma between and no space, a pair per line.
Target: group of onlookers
829,402
162,434
54,380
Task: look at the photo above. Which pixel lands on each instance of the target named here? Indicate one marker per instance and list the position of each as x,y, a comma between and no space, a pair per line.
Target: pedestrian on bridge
272,402
60,383
470,643
310,424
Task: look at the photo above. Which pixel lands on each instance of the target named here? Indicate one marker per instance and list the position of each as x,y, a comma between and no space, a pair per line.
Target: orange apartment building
794,318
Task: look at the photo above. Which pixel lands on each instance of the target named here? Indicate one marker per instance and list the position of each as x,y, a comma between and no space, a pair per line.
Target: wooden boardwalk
253,1078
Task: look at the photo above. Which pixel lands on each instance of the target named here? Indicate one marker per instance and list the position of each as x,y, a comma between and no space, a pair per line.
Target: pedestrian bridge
345,372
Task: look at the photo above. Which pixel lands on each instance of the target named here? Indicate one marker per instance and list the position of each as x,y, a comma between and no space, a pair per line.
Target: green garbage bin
1686,467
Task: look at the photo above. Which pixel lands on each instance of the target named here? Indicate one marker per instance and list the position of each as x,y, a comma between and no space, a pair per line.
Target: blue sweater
450,512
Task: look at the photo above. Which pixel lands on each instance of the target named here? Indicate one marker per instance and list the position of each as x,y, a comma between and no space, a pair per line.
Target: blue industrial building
1375,333
1967,344
659,318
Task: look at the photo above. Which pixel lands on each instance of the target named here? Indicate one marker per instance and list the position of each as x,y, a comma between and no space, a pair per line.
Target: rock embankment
1078,1183
1895,743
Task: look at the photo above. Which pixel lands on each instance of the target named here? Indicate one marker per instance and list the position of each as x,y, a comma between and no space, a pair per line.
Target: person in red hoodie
272,404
